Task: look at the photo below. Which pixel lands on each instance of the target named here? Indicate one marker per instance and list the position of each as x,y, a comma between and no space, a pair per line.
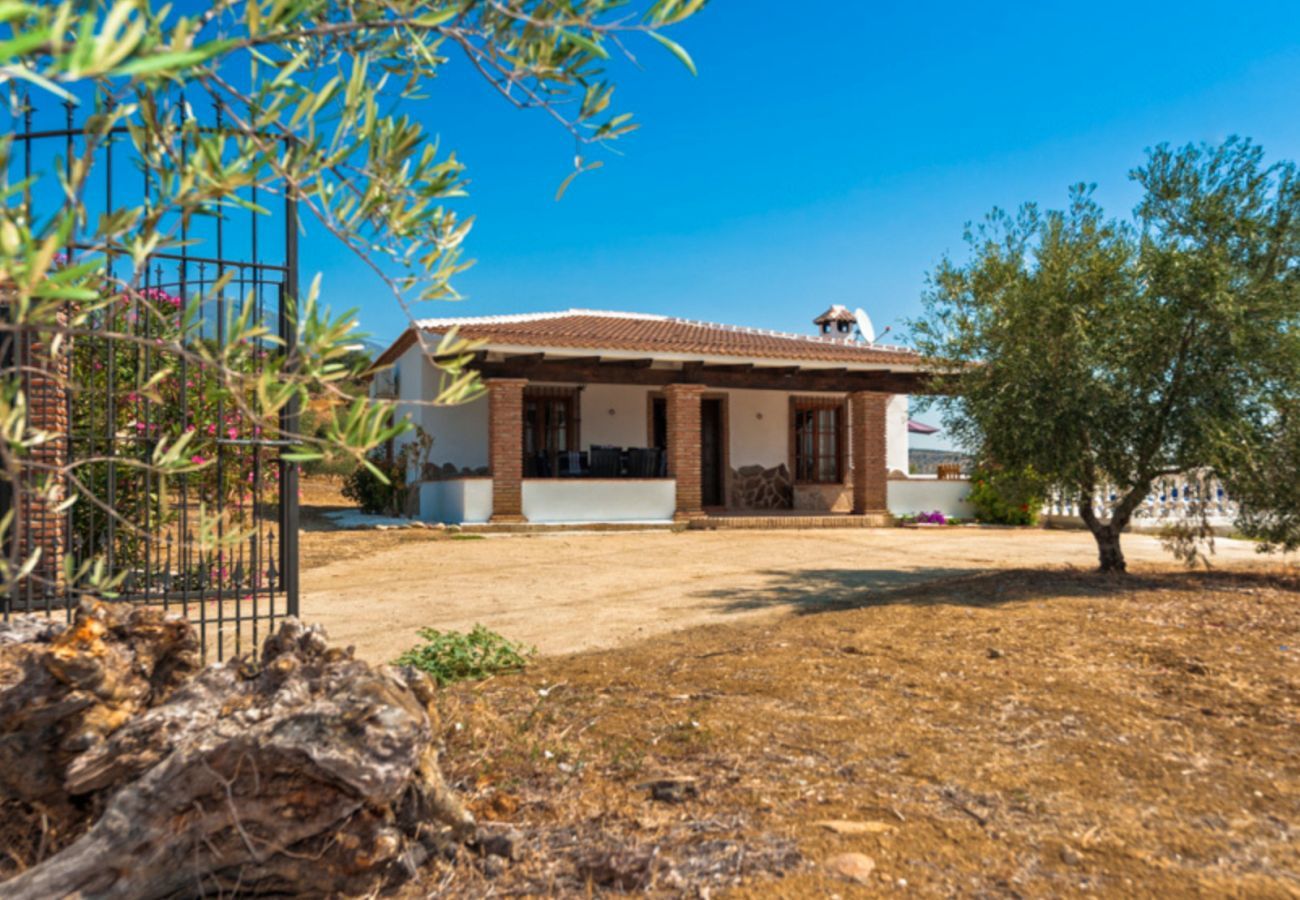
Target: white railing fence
1173,499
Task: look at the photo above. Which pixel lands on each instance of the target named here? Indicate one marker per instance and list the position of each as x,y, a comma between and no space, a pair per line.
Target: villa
598,417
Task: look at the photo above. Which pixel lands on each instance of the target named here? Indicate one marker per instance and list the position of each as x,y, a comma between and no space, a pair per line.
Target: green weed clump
449,656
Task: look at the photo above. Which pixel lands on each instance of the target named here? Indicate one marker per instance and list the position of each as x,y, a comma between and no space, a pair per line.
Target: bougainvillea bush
124,390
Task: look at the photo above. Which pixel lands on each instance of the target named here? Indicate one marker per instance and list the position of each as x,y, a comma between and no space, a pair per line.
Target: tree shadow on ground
827,590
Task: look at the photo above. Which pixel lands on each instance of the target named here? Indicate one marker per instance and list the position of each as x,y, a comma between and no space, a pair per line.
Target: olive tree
1106,353
1264,477
314,100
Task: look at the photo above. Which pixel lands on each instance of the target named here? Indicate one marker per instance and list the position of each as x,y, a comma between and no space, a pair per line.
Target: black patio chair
537,466
572,464
606,462
643,462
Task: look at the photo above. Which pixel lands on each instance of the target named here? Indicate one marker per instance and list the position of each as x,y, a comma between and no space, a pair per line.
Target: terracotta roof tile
581,329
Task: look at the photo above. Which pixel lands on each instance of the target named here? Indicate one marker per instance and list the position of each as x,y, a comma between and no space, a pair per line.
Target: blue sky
834,155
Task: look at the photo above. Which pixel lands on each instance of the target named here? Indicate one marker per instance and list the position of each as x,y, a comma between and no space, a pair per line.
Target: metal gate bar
219,546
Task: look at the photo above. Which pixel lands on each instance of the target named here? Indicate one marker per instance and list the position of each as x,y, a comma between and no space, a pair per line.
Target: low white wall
920,494
456,501
599,500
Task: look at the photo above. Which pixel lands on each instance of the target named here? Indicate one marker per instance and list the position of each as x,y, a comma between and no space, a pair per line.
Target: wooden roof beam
524,358
728,367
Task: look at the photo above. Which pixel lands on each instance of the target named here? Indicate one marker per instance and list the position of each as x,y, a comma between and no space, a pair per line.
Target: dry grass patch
1020,732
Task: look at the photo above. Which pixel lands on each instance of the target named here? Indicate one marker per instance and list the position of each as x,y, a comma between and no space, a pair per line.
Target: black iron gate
218,544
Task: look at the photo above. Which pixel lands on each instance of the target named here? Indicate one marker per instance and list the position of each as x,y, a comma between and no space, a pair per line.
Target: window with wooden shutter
817,426
550,428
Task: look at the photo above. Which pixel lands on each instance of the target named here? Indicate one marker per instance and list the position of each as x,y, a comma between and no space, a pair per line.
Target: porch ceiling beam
612,372
728,367
524,358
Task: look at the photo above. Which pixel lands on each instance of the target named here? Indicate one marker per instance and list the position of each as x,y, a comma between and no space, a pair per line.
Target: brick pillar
682,404
506,447
870,477
45,384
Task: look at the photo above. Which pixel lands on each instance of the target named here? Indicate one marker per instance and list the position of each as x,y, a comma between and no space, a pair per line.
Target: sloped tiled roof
594,330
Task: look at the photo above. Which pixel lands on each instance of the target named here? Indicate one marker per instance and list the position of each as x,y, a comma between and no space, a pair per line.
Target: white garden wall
925,494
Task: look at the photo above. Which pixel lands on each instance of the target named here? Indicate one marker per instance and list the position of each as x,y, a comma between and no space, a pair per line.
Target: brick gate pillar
506,447
870,475
682,405
44,374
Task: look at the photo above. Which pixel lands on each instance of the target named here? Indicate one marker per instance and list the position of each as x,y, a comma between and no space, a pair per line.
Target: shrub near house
1003,497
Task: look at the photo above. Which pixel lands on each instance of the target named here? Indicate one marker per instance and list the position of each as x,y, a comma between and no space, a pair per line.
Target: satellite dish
864,325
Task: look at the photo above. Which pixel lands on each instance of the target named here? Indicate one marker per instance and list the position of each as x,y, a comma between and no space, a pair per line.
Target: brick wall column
682,405
870,478
44,380
506,447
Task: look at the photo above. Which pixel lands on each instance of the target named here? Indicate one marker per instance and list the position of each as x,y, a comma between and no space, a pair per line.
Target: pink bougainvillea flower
197,459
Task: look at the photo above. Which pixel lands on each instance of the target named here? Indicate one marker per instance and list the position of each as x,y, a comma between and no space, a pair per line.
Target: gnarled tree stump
313,773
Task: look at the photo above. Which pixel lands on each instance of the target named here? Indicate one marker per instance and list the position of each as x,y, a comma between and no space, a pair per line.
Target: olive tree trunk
1107,533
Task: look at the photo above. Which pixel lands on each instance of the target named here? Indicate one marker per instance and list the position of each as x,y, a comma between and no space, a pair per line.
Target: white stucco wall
754,441
626,427
599,500
460,433
458,501
921,494
896,438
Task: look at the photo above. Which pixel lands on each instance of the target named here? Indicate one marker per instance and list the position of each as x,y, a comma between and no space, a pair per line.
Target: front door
712,438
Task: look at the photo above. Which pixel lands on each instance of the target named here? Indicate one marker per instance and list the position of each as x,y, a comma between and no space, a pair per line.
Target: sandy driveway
576,591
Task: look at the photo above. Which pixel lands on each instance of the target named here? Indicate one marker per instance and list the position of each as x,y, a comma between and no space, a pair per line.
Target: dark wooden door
711,458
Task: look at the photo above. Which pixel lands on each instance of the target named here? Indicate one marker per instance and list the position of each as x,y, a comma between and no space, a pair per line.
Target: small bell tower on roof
837,321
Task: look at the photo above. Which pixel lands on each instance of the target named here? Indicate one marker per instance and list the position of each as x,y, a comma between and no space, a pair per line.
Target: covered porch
590,440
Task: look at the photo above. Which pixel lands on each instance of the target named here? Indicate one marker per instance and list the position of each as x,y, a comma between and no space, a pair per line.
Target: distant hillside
927,462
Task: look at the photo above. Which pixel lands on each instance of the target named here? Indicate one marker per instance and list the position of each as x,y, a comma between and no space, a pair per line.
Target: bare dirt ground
1020,733
970,712
567,592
